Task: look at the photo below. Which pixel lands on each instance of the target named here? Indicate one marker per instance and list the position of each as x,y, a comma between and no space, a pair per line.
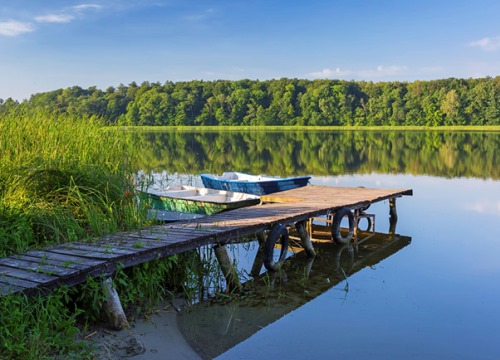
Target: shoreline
153,338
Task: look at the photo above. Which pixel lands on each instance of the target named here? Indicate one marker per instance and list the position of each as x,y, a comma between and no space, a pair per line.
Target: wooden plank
72,251
90,251
169,240
104,248
198,230
67,260
331,194
51,262
27,275
9,280
11,285
37,267
151,236
137,245
7,289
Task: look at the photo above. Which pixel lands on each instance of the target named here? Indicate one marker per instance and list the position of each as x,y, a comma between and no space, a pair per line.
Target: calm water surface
435,297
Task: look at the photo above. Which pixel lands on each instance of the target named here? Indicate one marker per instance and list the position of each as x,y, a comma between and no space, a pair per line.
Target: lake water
435,294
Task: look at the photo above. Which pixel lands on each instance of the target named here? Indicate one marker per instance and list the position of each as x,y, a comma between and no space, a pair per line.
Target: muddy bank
154,338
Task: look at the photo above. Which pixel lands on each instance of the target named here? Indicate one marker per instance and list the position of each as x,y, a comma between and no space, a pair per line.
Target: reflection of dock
212,329
40,271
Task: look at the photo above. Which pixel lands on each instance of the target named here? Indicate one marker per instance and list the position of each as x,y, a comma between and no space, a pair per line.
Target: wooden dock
41,271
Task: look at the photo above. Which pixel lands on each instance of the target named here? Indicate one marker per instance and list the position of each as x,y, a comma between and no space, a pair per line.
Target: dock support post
113,307
304,236
393,215
261,238
258,261
227,267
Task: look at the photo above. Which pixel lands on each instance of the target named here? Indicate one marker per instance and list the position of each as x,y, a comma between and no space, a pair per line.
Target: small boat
170,216
189,199
252,184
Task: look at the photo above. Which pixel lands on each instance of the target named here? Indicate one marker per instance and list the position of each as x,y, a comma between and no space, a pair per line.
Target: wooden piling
113,307
300,226
393,216
227,267
258,261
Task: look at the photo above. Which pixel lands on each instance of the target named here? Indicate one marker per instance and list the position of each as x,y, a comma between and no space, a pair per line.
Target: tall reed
61,179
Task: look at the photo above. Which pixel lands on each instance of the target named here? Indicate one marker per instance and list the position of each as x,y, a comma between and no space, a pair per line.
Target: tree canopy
279,102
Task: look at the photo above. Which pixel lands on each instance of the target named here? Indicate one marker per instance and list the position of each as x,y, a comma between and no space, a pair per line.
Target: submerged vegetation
280,102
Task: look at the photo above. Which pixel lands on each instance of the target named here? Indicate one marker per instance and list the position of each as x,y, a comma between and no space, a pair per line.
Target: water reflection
443,154
212,329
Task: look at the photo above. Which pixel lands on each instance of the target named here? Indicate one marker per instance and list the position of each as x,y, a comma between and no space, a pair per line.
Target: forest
289,102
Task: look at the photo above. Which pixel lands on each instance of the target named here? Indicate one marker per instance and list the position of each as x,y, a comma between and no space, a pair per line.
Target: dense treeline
280,102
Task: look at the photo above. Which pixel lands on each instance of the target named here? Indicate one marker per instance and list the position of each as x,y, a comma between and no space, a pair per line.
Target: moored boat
189,199
252,184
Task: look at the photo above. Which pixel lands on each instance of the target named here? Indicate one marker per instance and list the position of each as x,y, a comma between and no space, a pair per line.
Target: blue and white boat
252,184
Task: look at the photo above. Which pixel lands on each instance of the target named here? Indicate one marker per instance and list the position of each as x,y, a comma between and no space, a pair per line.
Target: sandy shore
155,338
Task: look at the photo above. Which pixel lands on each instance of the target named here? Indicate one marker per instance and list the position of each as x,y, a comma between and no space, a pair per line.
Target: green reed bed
64,179
61,179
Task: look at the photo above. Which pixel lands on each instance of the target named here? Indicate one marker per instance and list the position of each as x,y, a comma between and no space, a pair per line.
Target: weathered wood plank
91,251
51,262
169,240
96,255
37,267
5,279
27,275
66,260
137,245
7,289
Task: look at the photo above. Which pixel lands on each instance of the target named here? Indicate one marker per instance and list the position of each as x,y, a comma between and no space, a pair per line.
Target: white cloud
54,18
484,207
83,7
13,28
487,43
379,71
332,73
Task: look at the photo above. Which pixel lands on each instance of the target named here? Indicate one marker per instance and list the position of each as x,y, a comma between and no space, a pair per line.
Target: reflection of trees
448,154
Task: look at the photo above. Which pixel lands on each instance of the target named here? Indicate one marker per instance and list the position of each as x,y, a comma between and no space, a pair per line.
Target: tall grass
61,179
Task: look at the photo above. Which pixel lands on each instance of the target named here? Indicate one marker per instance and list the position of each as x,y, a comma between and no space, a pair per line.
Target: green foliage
282,102
143,286
62,179
40,327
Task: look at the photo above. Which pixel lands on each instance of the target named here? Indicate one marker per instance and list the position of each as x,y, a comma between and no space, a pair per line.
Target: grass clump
40,327
62,179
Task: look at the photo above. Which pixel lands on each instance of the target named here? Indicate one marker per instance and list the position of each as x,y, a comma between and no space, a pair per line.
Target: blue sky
52,44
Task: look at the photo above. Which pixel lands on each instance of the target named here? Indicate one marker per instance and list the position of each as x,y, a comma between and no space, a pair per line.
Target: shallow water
435,298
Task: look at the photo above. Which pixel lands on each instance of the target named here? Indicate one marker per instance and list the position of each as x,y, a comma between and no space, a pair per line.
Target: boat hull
259,187
188,199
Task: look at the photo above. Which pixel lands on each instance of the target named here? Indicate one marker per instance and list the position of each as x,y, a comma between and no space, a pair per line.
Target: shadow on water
213,328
